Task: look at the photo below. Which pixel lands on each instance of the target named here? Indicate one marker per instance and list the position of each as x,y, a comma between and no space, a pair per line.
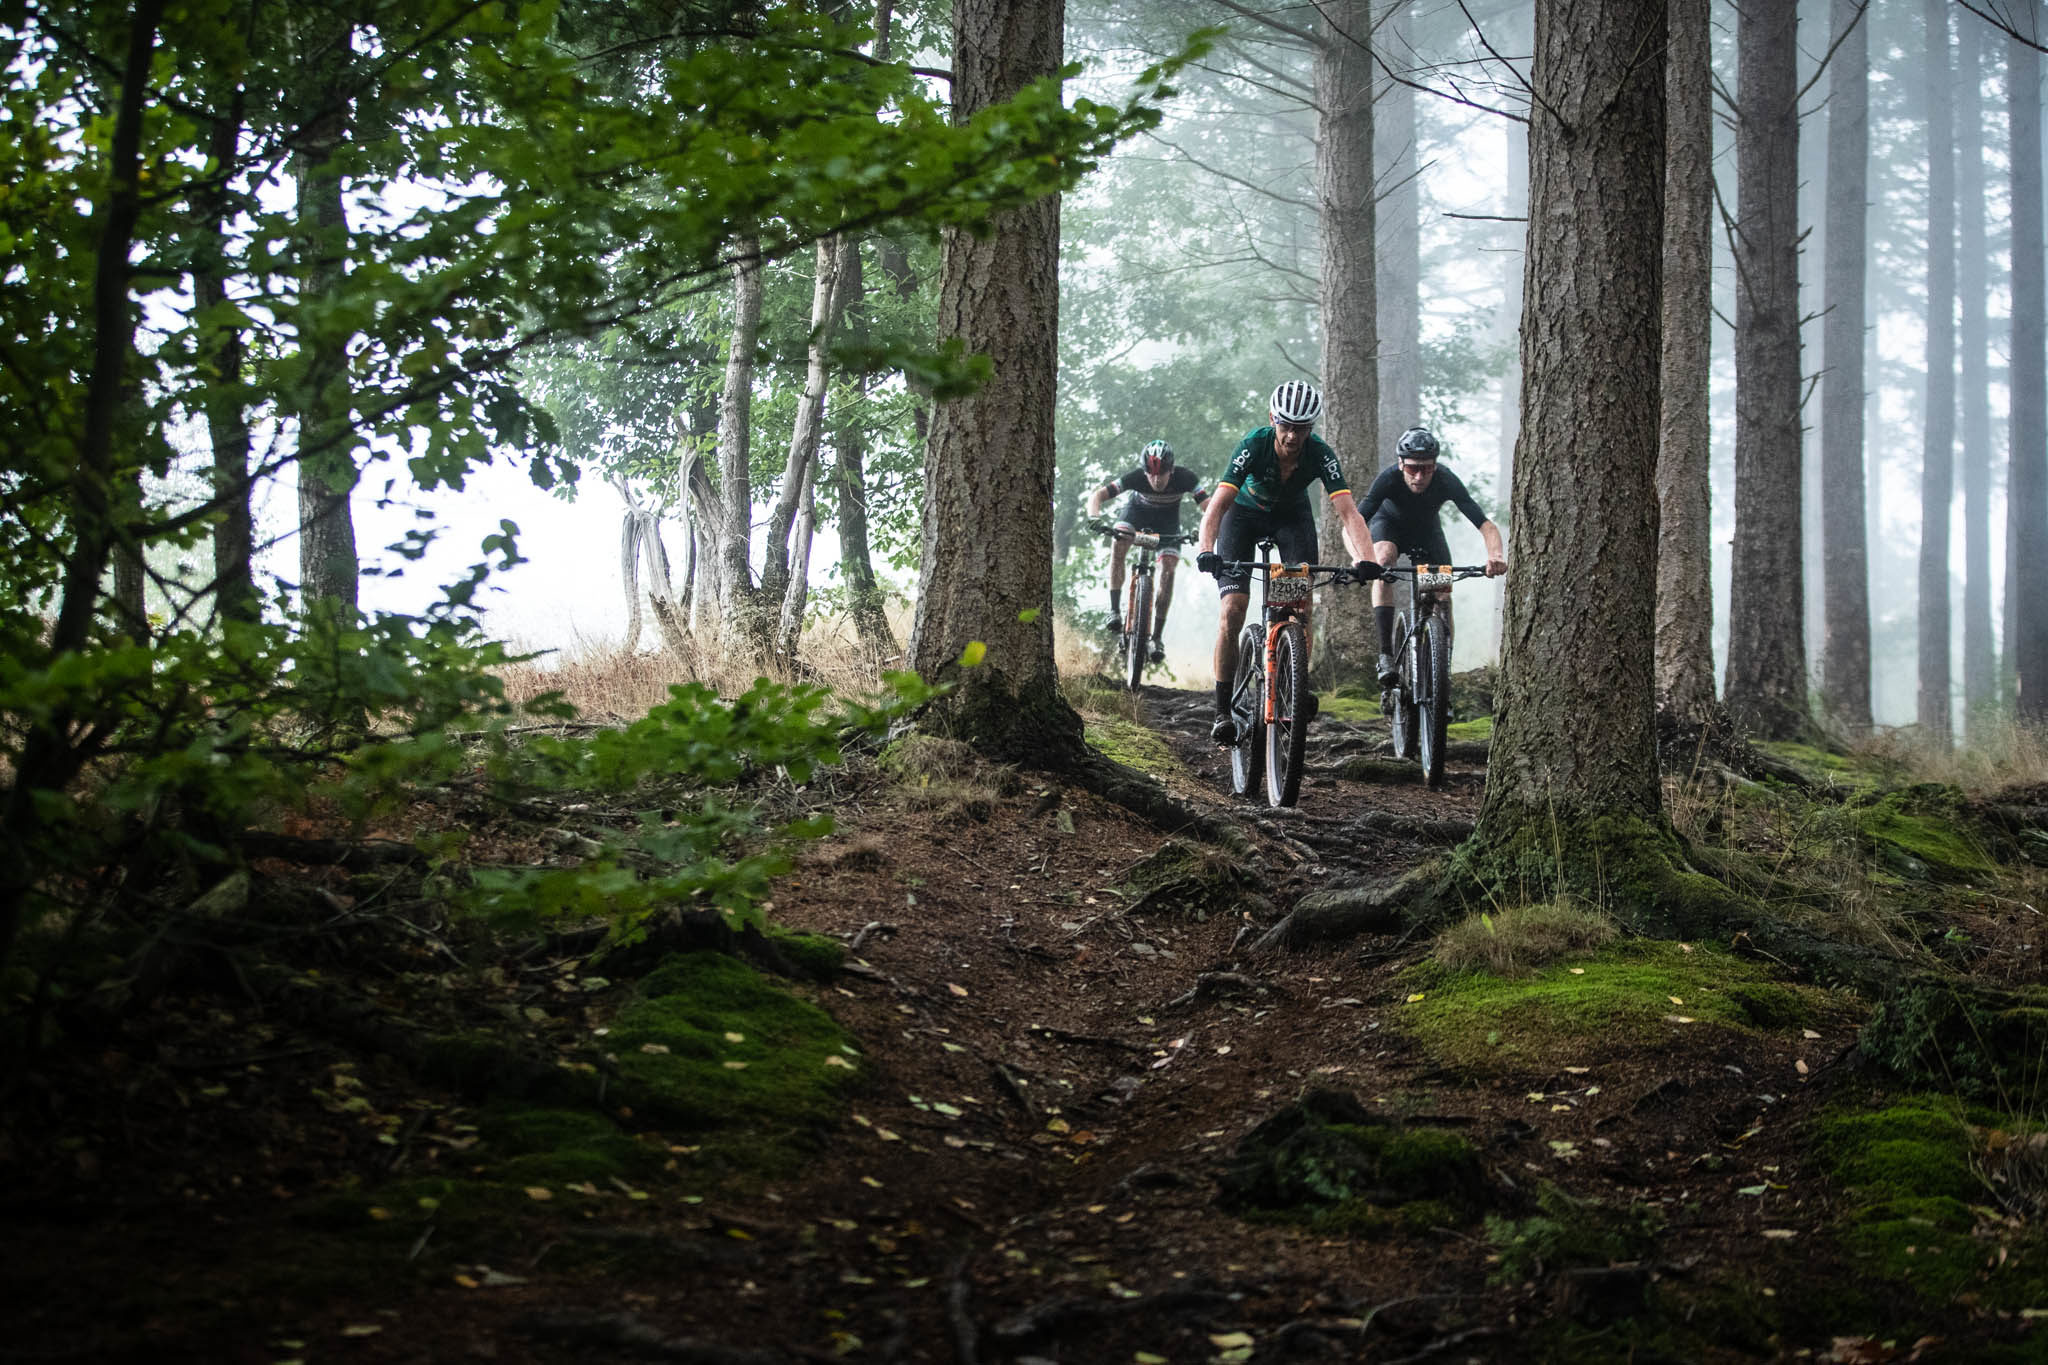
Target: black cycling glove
1209,562
1365,570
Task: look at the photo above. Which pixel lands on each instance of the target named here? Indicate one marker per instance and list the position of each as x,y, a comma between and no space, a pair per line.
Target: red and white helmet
1157,457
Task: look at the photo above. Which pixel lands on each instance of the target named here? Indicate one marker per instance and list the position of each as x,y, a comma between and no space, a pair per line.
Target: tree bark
1397,230
1845,559
1766,684
227,423
1685,558
987,525
1343,74
2027,486
828,301
1506,332
1574,726
1973,286
743,623
1937,469
864,598
329,567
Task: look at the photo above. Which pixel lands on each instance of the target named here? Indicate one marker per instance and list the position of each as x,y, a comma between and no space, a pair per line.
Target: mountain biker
1156,487
1264,493
1404,507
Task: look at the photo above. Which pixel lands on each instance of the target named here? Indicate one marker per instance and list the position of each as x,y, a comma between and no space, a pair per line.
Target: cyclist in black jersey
1264,492
1156,487
1404,508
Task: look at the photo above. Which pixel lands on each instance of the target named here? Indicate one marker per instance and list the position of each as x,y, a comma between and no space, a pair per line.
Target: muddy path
1043,1160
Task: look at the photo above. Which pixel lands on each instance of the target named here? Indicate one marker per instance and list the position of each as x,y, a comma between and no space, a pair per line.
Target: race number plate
1289,584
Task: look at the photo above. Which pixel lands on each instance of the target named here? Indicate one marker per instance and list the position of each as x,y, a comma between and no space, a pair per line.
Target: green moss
1982,1043
1131,744
816,955
1622,999
1925,823
1351,702
1480,729
1521,938
1328,1162
713,1047
1567,1232
1858,772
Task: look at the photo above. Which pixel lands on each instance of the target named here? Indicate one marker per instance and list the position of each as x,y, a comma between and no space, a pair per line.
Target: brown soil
1067,1211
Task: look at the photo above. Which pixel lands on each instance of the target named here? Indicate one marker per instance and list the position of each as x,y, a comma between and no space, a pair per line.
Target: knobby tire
1248,707
1287,736
1435,654
1137,630
1402,722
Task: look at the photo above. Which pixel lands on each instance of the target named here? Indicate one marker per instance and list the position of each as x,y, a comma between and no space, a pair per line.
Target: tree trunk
1574,739
328,565
1973,286
1345,209
2026,504
864,598
1766,687
828,300
1397,269
1685,558
796,591
1937,469
987,561
1845,560
227,423
744,623
1506,332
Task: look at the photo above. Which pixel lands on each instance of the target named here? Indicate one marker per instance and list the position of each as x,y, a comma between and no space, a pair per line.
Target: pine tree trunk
1766,687
1685,587
1346,641
1397,230
1973,286
1937,469
1845,560
329,568
864,599
1574,726
987,561
2027,485
1513,239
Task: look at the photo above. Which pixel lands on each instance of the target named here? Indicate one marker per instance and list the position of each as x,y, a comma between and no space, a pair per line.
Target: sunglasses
1292,427
1417,466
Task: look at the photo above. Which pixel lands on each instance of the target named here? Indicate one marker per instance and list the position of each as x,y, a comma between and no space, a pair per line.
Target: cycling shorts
1421,539
1291,528
1143,516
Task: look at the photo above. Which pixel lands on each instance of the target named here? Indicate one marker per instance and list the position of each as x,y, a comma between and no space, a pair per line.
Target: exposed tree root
1345,912
1142,796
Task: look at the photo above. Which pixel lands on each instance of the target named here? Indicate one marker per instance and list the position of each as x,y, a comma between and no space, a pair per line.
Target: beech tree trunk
1973,286
2026,504
227,424
987,524
1574,725
1346,640
828,300
744,616
1845,559
1937,469
1685,558
1766,686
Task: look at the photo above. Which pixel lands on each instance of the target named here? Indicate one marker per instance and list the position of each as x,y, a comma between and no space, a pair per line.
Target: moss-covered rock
1329,1162
1131,744
1924,831
1981,1042
1565,1232
818,956
1186,879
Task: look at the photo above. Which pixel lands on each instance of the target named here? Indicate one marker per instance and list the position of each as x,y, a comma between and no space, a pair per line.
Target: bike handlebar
1164,540
1456,571
1339,573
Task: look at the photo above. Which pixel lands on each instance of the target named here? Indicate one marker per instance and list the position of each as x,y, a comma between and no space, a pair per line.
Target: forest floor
1040,1149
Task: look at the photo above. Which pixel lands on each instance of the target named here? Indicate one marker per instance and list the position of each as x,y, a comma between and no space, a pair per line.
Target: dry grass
1522,938
2000,755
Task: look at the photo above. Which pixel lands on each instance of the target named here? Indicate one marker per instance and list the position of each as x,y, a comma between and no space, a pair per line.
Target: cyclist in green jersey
1264,492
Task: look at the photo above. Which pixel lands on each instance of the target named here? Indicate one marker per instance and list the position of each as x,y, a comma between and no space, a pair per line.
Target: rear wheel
1248,709
1435,707
1401,718
1287,736
1137,630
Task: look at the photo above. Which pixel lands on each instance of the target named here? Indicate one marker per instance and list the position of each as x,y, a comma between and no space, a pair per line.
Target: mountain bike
1418,705
1269,698
1135,643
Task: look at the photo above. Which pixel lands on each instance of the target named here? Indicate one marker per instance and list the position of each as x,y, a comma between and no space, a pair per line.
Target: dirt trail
1057,1081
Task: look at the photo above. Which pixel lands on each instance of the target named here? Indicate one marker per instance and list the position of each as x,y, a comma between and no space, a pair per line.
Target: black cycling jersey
1413,520
1254,472
1149,509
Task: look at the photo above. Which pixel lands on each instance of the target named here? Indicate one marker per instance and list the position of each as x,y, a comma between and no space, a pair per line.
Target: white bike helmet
1296,401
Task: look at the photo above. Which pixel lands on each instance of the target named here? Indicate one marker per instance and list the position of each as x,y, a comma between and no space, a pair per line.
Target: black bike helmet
1157,457
1416,443
1296,400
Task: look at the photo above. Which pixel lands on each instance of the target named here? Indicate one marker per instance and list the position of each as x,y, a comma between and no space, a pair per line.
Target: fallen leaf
836,1060
735,1066
871,1182
1417,996
1780,1234
1228,1340
957,990
362,1329
1222,1049
1808,1033
1680,1019
654,1047
1753,1189
1576,971
539,1192
732,1037
1674,1000
1577,1070
465,1281
1800,1066
1537,1097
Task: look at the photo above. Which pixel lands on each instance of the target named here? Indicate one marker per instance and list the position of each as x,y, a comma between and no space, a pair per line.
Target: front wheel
1402,721
1287,735
1435,706
1137,630
1248,709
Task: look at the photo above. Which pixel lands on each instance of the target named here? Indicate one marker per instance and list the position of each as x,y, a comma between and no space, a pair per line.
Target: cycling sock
1222,698
1385,617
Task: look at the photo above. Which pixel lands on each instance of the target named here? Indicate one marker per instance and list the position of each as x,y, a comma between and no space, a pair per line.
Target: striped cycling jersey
1180,481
